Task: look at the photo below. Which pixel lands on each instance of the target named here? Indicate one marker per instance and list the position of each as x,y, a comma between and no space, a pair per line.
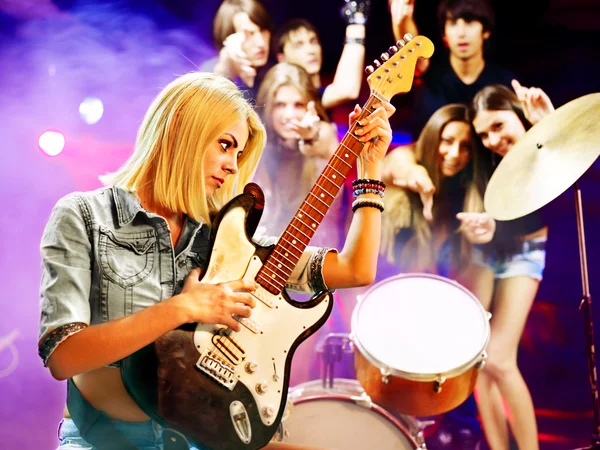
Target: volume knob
268,411
251,367
262,388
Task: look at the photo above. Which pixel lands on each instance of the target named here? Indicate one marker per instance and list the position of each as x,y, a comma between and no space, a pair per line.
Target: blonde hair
188,115
473,178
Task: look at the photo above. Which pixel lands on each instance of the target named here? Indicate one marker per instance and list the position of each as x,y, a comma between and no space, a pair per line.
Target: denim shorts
529,262
144,435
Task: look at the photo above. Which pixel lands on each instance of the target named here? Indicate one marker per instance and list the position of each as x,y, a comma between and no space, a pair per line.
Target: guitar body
224,389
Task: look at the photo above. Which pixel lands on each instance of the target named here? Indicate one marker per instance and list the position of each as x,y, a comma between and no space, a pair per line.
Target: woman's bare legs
511,305
480,281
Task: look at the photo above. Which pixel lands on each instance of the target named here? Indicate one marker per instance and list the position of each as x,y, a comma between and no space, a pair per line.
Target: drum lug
437,384
385,375
481,363
363,400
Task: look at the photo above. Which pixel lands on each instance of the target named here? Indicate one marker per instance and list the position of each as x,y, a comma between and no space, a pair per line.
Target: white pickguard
233,258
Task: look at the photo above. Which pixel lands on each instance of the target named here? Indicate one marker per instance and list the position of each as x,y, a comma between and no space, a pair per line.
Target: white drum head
332,418
420,325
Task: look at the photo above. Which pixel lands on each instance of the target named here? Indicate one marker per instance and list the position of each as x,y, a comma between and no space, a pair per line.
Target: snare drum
343,417
420,343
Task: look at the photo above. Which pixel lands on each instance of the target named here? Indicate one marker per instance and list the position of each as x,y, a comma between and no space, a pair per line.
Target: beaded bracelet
362,186
360,191
367,202
368,181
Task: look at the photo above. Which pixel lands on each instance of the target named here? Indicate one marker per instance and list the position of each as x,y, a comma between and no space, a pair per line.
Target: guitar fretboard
292,243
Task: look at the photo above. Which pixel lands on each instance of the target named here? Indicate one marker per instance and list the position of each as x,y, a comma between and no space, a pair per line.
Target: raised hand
235,60
356,11
478,228
375,131
307,128
536,103
401,10
217,303
420,182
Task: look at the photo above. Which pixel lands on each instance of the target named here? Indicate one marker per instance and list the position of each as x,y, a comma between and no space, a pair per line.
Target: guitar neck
297,235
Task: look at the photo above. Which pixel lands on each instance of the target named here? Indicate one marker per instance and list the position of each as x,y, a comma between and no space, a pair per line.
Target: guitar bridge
217,369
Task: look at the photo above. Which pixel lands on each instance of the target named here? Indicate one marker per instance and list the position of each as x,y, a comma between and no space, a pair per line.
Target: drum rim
453,372
417,441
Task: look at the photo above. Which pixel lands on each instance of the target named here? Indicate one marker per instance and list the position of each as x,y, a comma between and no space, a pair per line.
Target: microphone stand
586,306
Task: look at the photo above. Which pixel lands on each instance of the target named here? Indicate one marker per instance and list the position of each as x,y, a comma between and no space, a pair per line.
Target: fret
310,193
300,231
268,282
331,181
355,138
283,238
315,208
313,226
273,272
325,190
276,250
374,94
349,149
338,157
279,264
339,173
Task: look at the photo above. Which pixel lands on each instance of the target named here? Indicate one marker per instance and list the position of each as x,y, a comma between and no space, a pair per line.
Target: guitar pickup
249,323
264,296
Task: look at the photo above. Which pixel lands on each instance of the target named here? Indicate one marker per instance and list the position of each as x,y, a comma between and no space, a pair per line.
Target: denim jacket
104,257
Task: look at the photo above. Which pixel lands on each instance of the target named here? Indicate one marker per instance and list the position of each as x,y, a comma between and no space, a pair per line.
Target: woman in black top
501,119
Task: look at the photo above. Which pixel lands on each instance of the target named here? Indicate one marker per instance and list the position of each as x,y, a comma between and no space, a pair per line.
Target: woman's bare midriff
105,391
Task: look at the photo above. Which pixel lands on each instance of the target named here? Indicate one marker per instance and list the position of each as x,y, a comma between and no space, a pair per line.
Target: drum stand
331,350
586,306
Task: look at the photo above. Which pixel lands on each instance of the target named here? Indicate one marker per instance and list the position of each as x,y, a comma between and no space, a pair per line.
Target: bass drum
343,417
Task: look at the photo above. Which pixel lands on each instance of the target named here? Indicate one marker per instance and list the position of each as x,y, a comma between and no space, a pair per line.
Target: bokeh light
91,110
52,142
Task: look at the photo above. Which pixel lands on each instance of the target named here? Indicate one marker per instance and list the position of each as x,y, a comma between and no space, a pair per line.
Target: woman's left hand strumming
375,131
478,228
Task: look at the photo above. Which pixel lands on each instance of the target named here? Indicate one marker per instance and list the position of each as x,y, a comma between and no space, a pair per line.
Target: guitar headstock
396,71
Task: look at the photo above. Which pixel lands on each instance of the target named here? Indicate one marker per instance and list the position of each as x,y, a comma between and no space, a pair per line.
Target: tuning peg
400,43
369,70
407,37
393,49
385,56
376,63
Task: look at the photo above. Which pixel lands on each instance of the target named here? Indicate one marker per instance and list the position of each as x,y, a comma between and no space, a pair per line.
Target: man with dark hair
242,34
466,27
297,42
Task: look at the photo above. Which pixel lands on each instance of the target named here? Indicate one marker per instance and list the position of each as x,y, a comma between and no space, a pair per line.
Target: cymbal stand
586,306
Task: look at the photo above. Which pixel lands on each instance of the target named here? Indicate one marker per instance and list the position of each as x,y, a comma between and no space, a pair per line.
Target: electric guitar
227,390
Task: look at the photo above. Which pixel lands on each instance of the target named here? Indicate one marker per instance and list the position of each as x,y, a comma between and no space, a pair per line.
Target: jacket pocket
127,258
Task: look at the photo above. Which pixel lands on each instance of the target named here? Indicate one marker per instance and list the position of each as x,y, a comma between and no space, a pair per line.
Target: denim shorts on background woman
529,262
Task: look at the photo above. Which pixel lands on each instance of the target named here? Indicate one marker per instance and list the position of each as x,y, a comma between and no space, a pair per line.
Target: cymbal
550,158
